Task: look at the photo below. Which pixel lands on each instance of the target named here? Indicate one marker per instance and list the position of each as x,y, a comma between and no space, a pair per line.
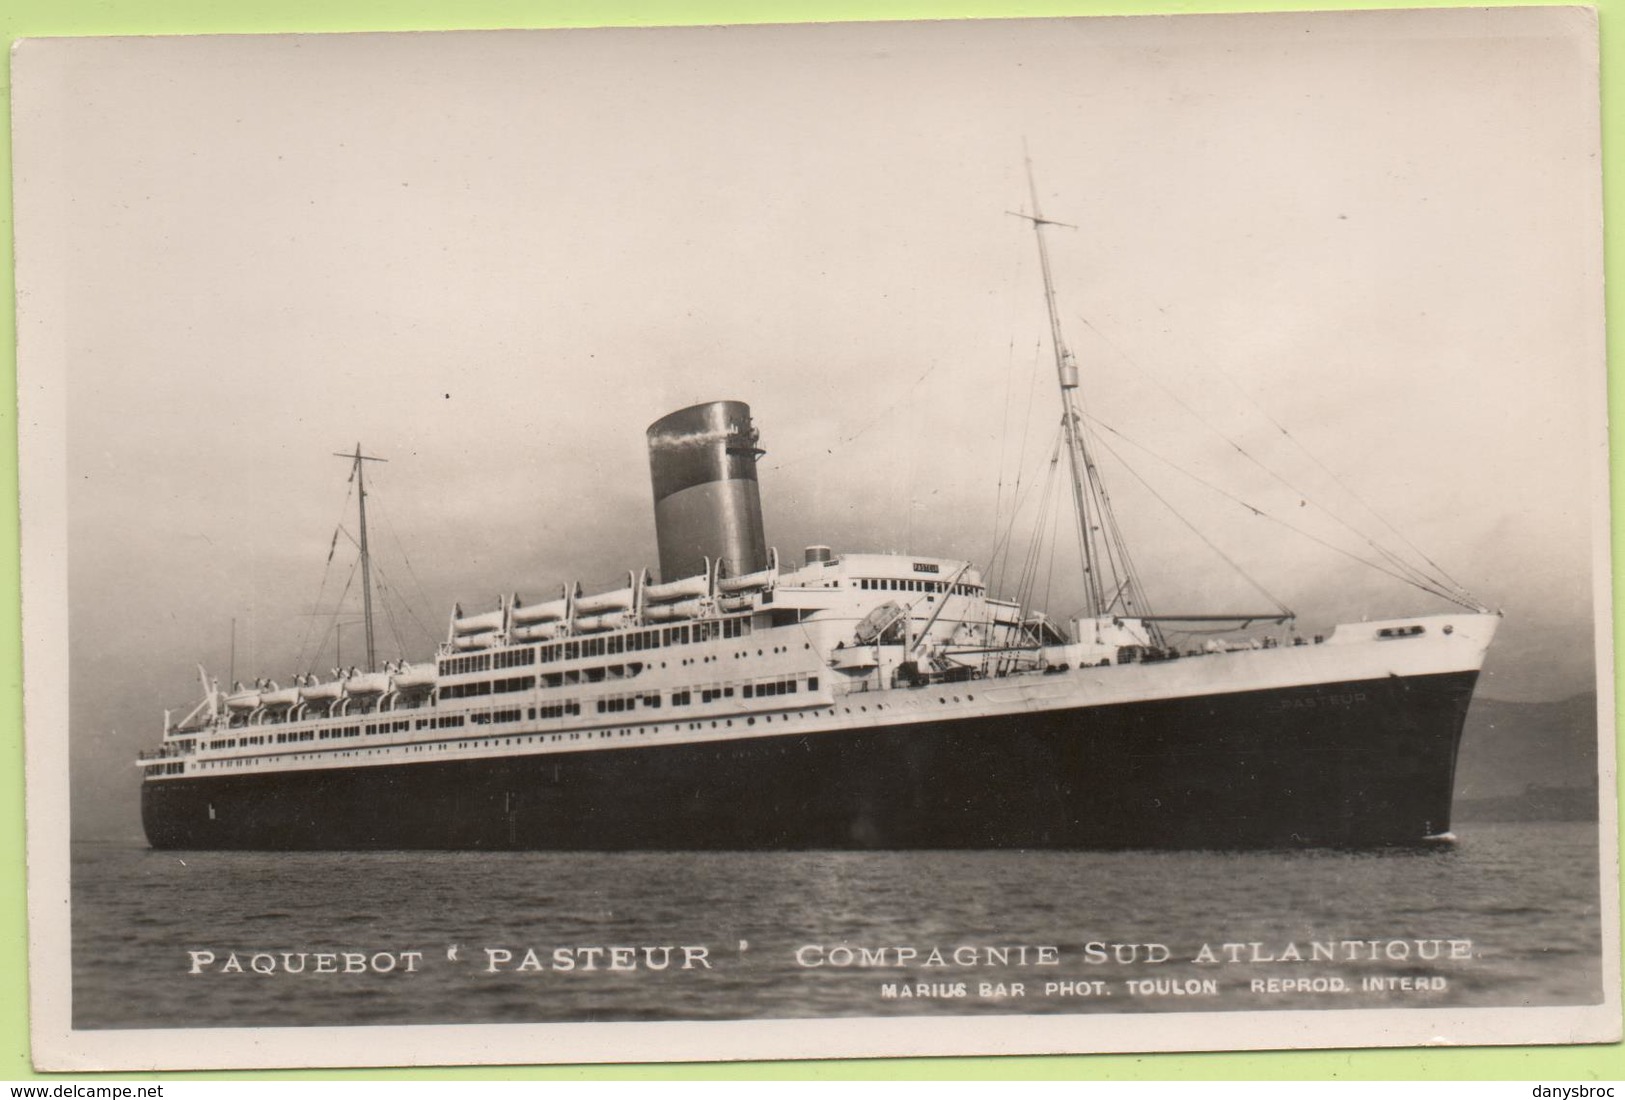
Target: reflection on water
1525,895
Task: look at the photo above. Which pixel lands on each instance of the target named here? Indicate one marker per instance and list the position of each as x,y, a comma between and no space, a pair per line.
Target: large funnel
702,461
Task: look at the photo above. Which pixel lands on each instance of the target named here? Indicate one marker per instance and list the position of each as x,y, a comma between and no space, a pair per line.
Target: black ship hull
1360,764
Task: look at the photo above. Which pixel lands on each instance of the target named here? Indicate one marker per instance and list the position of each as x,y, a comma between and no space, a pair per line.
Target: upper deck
644,645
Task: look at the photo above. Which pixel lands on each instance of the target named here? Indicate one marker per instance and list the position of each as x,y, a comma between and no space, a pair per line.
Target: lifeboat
737,603
247,700
282,697
762,578
549,612
484,640
477,624
593,624
621,599
687,588
746,583
855,658
408,678
321,693
878,622
540,632
367,683
667,612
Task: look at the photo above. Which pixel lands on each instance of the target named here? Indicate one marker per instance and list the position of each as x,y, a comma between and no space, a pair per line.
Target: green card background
21,18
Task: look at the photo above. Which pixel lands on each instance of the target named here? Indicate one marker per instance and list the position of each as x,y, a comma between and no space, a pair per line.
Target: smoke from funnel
702,462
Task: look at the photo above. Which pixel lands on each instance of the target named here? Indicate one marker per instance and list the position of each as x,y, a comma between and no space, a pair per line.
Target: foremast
1106,560
1112,588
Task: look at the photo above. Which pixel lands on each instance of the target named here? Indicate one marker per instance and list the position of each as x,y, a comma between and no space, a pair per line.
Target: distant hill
1529,761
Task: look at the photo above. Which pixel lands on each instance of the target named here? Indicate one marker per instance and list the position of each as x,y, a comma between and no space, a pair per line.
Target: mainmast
358,476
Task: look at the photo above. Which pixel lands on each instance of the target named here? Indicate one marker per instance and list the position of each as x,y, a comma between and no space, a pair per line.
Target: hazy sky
494,258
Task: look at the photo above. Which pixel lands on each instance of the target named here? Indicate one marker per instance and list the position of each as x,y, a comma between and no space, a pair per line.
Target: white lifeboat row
639,602
399,678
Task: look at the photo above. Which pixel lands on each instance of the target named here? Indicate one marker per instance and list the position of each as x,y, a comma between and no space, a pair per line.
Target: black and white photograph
832,540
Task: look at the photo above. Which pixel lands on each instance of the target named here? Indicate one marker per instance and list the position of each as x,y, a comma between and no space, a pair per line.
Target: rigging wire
1004,422
1431,589
1248,577
388,586
1133,587
1021,460
1341,484
1007,539
332,623
1100,510
385,588
1049,580
1413,574
883,415
1004,443
1027,577
1027,580
422,593
327,571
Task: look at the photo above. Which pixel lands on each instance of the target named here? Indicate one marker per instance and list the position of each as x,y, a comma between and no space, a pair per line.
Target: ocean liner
846,700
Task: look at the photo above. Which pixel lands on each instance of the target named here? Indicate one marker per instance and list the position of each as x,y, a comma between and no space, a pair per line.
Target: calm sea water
1525,895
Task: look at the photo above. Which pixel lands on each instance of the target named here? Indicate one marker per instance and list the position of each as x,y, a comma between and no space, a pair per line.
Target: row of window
511,715
513,658
233,742
306,735
619,703
596,674
567,708
605,645
778,687
476,662
488,687
398,726
905,584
